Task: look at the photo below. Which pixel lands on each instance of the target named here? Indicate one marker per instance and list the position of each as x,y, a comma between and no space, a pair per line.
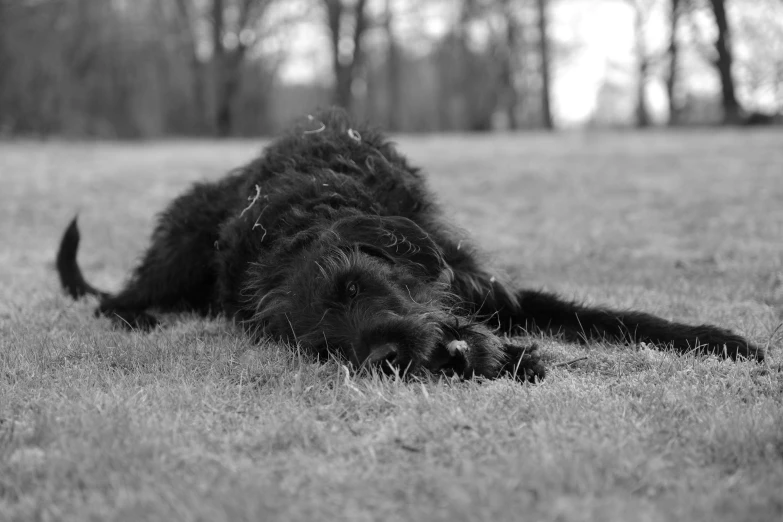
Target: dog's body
332,240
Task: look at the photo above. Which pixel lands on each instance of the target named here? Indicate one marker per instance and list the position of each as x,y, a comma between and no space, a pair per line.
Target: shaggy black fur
332,240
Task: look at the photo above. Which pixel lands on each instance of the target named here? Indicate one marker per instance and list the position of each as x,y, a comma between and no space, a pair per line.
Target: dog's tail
68,269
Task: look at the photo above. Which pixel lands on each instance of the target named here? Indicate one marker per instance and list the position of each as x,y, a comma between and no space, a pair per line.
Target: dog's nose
386,352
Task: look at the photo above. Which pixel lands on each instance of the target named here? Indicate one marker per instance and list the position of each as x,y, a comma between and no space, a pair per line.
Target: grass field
192,422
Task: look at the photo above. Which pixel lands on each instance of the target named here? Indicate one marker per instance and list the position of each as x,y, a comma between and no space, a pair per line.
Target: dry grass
193,423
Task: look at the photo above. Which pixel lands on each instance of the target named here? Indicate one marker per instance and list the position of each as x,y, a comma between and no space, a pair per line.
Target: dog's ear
394,238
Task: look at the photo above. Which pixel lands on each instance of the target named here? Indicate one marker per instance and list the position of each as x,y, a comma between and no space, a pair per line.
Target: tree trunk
360,26
643,65
199,92
232,73
642,109
343,97
674,51
779,86
222,103
508,69
543,46
196,69
394,101
732,112
345,70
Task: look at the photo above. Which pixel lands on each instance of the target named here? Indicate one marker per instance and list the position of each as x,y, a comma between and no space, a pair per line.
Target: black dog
332,240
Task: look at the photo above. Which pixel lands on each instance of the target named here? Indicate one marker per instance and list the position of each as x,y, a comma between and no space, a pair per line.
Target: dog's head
371,288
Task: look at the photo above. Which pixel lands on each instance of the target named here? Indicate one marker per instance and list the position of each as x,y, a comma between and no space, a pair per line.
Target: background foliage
146,68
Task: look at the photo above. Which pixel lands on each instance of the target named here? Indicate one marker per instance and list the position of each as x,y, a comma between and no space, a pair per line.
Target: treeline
146,68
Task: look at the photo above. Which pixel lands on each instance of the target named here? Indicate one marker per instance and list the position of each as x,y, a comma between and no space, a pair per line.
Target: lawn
192,422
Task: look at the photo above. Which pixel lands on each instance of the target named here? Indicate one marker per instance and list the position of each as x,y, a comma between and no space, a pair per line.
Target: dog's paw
719,341
130,319
477,351
134,320
738,348
469,350
523,363
144,321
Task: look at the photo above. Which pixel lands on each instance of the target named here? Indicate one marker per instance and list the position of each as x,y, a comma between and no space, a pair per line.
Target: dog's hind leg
174,274
177,272
126,308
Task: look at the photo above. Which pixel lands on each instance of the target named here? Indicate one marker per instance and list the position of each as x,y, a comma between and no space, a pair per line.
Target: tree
230,44
222,122
673,51
508,76
543,49
641,10
188,18
347,24
732,112
393,66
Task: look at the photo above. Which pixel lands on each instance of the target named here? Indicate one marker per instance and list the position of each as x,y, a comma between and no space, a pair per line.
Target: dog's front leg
473,349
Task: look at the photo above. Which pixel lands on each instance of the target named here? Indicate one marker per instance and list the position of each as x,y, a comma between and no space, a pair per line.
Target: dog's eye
351,290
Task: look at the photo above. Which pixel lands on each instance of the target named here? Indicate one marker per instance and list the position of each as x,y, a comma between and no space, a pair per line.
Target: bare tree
347,24
641,12
188,17
732,112
545,55
142,68
673,51
510,50
222,122
393,66
229,46
719,54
